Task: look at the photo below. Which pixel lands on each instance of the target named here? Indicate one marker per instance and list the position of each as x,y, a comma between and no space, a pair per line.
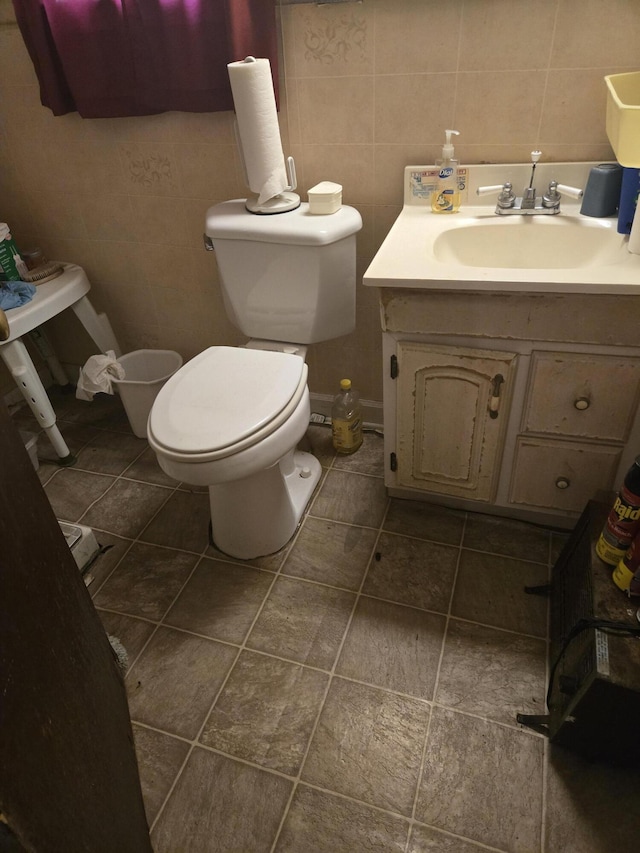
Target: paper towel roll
258,129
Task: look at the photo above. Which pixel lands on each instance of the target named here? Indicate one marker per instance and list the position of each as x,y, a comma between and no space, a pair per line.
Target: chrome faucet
529,202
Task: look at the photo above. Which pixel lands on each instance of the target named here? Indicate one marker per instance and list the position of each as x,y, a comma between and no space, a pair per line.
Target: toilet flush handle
208,243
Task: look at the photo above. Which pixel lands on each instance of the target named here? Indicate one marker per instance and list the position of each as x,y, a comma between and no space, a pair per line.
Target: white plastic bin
146,371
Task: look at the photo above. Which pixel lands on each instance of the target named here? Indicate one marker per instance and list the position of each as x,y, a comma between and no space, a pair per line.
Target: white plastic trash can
146,371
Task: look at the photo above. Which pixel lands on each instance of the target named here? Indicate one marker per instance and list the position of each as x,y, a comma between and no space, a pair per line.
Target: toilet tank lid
230,220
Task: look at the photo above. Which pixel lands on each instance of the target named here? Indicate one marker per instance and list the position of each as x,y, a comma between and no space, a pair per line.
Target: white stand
280,203
68,290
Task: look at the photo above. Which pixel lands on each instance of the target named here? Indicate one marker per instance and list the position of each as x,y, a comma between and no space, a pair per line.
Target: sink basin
529,242
478,250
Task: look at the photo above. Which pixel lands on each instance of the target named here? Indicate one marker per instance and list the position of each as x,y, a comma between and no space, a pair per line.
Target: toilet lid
224,396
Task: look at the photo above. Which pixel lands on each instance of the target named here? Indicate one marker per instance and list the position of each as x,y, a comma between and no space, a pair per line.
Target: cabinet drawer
561,475
586,396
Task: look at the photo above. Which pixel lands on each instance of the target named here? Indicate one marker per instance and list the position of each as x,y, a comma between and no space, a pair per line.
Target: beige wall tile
336,109
98,167
349,165
499,106
383,218
287,42
194,212
332,40
390,161
150,168
208,171
167,266
515,152
58,215
592,33
15,64
364,237
412,108
160,219
44,167
580,152
574,107
289,115
417,37
107,217
502,34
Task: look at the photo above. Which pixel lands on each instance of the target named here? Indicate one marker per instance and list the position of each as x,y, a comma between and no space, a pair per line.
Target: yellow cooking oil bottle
346,419
445,198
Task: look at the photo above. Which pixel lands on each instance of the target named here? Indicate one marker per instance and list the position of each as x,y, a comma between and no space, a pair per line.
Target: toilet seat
225,400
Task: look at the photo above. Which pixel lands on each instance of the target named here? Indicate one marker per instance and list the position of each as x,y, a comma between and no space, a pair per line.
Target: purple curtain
109,58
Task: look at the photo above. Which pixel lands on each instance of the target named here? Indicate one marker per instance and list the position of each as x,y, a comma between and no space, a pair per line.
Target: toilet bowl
230,419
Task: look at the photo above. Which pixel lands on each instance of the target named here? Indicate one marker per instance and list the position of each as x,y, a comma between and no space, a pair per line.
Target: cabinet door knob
582,403
562,483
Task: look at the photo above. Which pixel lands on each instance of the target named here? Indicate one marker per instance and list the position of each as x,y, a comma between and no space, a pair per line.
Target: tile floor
356,691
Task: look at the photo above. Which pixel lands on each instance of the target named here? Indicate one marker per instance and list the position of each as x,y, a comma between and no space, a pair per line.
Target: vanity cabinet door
561,475
582,395
451,416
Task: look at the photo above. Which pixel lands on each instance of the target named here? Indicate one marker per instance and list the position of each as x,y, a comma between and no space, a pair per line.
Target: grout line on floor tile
437,679
161,731
148,542
414,538
332,673
335,521
505,556
464,838
546,747
486,719
196,740
316,492
545,783
146,619
496,627
94,592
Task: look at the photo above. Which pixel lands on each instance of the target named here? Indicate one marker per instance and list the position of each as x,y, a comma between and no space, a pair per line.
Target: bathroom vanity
508,389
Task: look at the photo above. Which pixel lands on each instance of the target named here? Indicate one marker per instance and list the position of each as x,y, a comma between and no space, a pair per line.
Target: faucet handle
553,195
494,188
506,197
574,192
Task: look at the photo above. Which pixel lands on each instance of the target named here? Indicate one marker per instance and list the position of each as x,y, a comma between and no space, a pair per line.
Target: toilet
232,417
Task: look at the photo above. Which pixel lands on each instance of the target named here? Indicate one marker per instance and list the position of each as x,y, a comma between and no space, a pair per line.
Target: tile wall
367,88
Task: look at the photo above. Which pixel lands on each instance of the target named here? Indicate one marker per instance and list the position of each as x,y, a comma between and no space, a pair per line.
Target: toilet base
258,515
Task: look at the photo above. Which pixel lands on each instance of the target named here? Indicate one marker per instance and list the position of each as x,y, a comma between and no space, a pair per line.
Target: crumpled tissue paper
97,374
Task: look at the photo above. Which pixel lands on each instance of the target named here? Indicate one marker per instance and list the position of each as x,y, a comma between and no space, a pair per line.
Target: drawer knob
562,483
582,403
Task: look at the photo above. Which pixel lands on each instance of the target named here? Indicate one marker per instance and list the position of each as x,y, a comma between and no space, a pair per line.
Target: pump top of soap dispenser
447,148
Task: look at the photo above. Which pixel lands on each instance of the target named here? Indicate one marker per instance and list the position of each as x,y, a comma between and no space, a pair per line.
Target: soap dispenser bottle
446,196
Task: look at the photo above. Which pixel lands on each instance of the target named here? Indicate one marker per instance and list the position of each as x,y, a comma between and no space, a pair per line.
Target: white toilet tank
287,276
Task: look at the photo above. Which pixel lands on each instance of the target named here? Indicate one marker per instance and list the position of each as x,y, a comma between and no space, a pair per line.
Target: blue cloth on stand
13,294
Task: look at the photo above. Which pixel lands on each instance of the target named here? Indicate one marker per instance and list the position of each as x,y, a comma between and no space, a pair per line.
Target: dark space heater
593,696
